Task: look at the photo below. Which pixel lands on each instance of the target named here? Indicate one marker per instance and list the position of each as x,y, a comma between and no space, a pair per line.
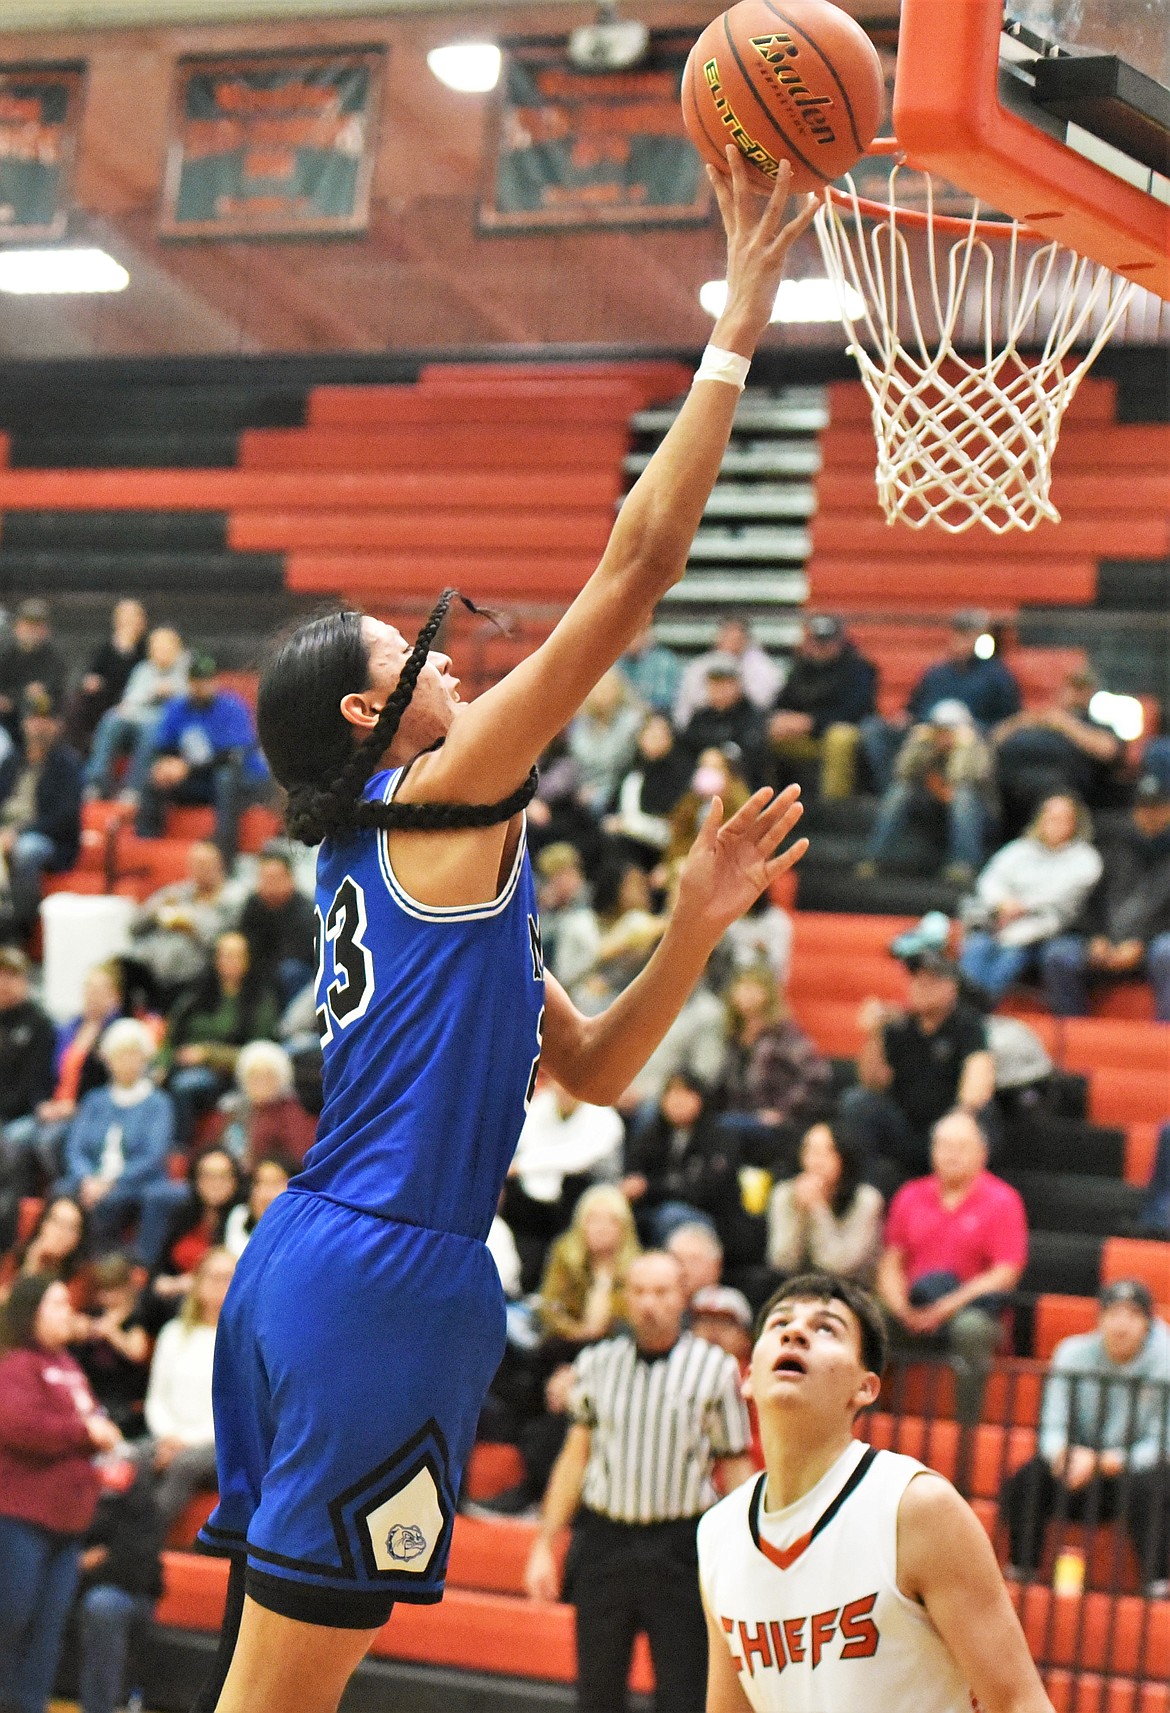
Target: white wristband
729,366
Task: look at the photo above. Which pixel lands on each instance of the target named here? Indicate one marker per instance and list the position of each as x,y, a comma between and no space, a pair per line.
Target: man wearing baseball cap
40,809
1124,931
944,772
28,660
206,751
1104,1448
829,691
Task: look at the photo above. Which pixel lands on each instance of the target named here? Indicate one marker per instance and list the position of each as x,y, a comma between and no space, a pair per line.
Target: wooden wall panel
420,278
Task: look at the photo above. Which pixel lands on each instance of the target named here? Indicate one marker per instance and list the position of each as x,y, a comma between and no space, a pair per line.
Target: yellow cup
1068,1573
755,1186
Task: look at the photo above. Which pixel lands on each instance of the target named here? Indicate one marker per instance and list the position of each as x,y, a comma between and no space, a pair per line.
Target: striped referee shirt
657,1424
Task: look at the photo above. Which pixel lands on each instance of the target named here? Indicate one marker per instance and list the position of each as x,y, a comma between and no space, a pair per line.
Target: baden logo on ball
798,81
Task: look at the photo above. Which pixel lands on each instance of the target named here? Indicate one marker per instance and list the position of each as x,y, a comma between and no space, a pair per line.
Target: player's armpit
724,1691
945,1561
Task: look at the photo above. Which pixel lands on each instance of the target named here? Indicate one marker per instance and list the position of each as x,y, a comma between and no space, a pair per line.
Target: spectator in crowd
231,1005
817,717
1124,931
119,1145
112,1344
718,773
262,1115
775,1082
943,778
722,1316
205,751
678,1168
826,1220
50,1430
602,740
568,922
759,674
40,809
655,1414
29,660
270,1178
918,1063
56,1249
986,687
557,815
121,1578
652,671
699,1252
695,1043
279,924
1030,891
630,930
760,939
30,1147
649,792
564,1145
582,1294
199,1212
727,716
1057,748
1104,1447
27,1041
956,1243
108,672
174,932
179,1419
130,726
539,1440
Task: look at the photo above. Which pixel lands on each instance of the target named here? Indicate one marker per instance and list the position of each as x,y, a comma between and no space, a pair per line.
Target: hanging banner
591,148
40,106
272,144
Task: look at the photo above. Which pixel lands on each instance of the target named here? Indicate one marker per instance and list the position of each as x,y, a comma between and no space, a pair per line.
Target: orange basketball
796,81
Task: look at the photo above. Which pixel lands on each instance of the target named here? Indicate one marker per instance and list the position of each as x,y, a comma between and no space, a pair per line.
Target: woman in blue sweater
118,1147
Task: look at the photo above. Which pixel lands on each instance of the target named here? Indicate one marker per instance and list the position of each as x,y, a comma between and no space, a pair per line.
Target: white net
971,346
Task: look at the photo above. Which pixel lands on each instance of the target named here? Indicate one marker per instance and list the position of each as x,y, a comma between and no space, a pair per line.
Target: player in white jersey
844,1579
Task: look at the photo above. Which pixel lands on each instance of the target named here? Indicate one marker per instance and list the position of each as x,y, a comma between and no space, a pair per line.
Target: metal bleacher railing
1098,1635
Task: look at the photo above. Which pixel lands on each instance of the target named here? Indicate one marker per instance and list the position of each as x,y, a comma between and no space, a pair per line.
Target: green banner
272,144
39,110
591,148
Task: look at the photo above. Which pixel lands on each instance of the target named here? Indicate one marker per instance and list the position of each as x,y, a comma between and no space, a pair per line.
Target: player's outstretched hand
731,863
759,236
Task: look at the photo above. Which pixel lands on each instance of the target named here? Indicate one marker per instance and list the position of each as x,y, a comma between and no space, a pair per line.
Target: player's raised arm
497,738
945,1560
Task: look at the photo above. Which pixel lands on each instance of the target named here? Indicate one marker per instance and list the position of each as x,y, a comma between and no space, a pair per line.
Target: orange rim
996,230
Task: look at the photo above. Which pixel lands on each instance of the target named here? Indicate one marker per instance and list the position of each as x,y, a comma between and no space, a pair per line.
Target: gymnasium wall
419,279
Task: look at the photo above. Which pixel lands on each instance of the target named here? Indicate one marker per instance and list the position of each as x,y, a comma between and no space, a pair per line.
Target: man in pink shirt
956,1244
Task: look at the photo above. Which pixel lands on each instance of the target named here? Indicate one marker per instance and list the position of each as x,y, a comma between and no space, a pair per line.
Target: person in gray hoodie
129,728
1030,891
1104,1447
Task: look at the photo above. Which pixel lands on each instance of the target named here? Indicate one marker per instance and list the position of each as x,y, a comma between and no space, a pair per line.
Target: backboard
1056,112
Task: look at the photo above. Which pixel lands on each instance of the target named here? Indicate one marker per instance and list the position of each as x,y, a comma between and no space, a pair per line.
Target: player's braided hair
309,743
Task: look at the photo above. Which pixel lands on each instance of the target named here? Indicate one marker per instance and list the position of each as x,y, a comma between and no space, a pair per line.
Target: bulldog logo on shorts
405,1541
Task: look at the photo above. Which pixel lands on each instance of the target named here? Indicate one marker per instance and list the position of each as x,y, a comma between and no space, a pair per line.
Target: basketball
800,81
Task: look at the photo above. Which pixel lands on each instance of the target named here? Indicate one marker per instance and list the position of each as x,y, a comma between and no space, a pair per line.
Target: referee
654,1412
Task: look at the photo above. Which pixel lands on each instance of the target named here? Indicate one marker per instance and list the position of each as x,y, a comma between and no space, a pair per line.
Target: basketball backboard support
1056,112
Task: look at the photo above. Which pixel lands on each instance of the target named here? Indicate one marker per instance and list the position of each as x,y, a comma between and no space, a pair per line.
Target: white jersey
809,1602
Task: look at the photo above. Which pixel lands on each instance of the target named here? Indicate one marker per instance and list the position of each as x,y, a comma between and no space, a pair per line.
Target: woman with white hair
118,1146
262,1115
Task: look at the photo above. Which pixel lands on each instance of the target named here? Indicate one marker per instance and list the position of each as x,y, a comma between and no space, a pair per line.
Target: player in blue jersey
366,1320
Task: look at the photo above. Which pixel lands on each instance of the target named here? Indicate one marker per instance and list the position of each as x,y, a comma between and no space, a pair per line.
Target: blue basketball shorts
352,1357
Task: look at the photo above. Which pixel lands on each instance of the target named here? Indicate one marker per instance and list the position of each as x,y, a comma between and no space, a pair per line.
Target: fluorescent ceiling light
1124,713
25,272
470,67
797,300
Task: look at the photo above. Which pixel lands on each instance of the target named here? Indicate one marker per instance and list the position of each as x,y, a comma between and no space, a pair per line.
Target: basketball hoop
966,422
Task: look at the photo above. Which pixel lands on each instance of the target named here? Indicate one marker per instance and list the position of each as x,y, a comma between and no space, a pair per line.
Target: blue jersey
431,1020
